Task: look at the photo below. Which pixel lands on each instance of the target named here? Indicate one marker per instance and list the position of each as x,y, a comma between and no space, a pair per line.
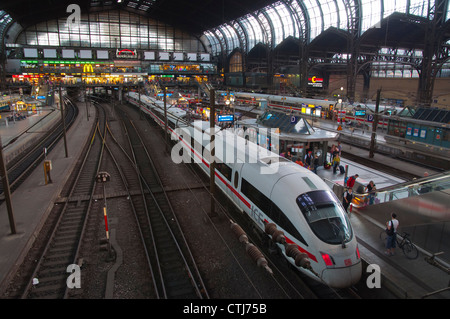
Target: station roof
397,30
195,16
228,24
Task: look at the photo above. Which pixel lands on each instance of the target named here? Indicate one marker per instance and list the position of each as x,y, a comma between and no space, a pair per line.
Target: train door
235,188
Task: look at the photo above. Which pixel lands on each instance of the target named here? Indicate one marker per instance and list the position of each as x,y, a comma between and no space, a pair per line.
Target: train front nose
342,277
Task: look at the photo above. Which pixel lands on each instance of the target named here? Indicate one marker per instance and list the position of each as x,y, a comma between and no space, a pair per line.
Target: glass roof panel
371,13
259,33
394,6
277,25
330,14
420,7
266,25
315,17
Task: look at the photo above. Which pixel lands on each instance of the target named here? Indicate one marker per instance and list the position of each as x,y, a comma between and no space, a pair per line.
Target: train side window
225,170
236,179
277,215
258,198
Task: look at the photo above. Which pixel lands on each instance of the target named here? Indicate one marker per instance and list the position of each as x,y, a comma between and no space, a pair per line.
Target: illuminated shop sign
126,54
87,68
315,82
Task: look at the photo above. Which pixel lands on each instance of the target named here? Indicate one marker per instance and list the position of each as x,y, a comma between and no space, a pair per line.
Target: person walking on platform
347,199
351,181
391,231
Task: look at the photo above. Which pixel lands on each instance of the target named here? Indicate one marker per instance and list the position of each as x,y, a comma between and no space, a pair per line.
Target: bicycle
408,248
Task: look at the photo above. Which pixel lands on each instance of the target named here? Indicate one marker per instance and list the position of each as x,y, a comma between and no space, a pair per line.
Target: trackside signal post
374,126
166,131
103,178
63,122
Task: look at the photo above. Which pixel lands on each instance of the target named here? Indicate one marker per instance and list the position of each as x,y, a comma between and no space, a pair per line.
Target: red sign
126,53
315,79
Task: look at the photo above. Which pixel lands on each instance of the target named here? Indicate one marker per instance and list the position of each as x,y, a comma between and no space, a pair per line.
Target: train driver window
325,216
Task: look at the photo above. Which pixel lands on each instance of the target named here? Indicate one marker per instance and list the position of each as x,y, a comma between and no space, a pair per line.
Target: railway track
49,279
174,270
22,166
380,166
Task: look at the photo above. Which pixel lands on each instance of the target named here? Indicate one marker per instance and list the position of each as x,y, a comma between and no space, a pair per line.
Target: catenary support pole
7,191
212,172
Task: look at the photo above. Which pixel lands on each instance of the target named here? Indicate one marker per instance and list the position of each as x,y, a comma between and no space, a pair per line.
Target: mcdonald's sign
87,68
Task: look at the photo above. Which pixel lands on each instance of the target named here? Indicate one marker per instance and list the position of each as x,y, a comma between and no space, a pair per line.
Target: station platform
405,278
33,200
17,135
356,136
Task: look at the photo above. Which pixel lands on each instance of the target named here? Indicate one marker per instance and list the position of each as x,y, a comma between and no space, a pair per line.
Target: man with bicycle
391,230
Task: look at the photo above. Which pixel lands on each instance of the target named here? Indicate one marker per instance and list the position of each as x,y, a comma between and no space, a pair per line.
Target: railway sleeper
50,291
183,292
58,262
61,253
51,280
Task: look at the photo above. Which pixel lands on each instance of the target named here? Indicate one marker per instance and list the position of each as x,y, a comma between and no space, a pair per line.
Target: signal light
357,252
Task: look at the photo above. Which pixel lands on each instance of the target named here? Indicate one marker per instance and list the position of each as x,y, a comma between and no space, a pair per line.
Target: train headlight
327,259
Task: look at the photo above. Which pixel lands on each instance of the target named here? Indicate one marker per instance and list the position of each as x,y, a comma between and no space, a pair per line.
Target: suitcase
342,169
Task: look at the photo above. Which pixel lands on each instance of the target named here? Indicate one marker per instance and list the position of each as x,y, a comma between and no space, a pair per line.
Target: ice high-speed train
272,190
357,113
174,114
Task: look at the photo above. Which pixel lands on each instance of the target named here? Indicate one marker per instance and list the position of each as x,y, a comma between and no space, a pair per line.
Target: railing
431,201
437,182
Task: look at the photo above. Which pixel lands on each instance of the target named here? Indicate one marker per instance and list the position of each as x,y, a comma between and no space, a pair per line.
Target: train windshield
325,216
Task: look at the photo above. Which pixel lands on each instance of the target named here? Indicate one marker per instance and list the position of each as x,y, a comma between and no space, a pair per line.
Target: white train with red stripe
357,113
272,190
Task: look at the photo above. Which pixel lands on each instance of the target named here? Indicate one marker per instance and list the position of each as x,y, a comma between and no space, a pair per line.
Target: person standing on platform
336,163
391,231
336,151
333,148
347,199
339,148
370,188
315,163
308,159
